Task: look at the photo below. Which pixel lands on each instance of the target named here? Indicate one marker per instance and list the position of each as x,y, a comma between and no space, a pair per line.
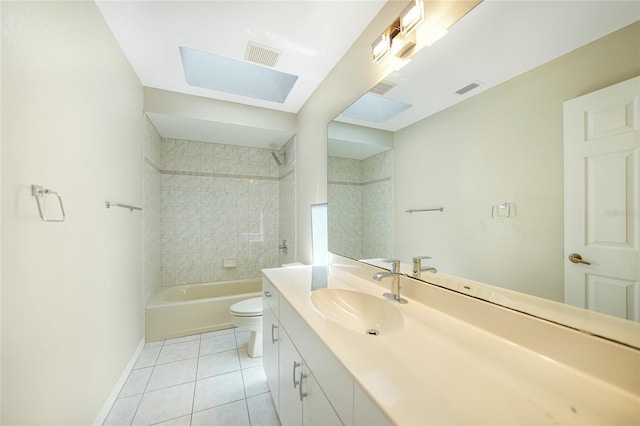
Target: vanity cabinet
270,333
297,395
302,401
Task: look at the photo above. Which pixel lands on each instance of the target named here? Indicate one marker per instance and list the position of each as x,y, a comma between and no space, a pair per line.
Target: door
602,200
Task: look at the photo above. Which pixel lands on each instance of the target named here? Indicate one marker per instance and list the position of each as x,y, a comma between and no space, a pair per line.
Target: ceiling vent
469,87
261,54
383,87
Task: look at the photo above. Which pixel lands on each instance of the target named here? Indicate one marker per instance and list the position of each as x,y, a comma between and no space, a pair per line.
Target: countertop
439,369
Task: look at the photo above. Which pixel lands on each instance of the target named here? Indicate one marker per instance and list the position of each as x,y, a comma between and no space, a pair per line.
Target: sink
358,311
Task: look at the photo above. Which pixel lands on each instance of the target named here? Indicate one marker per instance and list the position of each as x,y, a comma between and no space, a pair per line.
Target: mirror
490,156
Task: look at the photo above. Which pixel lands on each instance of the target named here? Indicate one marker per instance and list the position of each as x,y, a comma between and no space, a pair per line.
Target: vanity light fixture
401,44
381,47
412,16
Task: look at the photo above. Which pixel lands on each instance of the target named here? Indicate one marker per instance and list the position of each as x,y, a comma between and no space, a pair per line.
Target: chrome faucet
418,268
394,296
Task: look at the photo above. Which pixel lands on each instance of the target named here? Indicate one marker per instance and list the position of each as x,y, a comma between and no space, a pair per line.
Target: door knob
576,258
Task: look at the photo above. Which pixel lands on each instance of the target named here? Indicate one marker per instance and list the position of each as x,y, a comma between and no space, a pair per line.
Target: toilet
247,314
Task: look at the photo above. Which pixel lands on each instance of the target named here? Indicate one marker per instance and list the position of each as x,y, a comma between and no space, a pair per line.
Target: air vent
468,88
383,87
263,55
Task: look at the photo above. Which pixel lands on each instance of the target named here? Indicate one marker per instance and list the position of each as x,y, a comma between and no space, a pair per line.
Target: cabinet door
316,409
290,366
270,330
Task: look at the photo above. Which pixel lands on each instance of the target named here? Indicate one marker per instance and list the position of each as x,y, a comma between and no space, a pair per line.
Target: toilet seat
247,308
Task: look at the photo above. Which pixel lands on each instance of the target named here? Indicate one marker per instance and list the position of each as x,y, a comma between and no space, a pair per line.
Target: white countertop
441,370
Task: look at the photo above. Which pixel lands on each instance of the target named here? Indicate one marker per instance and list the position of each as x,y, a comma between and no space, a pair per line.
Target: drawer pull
273,339
267,293
295,365
302,394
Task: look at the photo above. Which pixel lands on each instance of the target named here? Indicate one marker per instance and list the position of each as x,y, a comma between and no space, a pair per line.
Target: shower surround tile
217,201
360,196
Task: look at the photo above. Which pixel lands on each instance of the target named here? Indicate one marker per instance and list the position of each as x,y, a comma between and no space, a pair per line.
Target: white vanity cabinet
298,397
302,401
270,333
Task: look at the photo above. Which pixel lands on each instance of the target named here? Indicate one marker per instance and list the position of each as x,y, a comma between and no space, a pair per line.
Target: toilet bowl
247,314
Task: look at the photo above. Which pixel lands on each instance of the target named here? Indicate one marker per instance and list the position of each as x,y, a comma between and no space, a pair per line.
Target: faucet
394,296
418,268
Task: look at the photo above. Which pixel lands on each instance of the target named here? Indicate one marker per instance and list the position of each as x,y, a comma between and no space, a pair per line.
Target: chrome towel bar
39,192
439,209
109,204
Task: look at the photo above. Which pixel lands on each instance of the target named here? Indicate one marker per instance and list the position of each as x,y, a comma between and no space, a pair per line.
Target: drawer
271,296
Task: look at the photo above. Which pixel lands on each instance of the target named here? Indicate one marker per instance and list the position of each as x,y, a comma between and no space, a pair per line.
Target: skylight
374,108
215,72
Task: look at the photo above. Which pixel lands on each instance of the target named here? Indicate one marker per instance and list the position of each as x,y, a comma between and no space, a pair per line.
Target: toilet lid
249,307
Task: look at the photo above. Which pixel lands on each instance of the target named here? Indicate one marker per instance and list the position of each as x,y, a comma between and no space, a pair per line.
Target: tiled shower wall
151,210
218,202
287,202
360,196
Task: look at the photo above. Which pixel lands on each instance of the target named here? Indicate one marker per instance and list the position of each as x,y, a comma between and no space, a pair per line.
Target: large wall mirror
459,156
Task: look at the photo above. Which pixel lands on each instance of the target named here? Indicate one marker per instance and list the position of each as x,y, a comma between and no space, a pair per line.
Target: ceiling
496,41
312,35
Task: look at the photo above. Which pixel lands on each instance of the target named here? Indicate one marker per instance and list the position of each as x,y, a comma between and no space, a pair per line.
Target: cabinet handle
302,394
273,339
295,365
267,293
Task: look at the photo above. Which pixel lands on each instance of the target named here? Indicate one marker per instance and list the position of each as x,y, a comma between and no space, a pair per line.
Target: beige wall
351,77
502,145
71,292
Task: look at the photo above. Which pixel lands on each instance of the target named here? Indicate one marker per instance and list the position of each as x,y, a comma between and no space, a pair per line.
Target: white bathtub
182,310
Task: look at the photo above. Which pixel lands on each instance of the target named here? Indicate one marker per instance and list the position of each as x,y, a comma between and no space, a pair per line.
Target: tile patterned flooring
205,379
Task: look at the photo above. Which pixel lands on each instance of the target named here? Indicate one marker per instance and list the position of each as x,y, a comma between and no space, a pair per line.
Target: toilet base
254,347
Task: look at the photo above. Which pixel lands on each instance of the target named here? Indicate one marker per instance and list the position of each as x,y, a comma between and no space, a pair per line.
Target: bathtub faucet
284,246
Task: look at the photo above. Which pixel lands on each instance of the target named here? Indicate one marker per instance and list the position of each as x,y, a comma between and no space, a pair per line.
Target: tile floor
205,379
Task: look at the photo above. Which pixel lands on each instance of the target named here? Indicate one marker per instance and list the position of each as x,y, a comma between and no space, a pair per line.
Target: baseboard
111,399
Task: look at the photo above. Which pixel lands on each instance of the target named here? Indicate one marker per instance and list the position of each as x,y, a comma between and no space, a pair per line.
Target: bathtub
182,310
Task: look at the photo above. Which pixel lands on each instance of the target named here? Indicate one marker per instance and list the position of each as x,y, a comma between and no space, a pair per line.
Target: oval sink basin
357,311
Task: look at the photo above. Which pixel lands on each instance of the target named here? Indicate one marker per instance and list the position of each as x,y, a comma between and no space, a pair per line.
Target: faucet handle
417,264
395,265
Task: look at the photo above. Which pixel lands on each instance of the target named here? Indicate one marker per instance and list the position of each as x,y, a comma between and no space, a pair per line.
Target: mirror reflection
493,156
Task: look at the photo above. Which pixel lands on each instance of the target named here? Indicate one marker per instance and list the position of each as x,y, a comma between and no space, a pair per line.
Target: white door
602,200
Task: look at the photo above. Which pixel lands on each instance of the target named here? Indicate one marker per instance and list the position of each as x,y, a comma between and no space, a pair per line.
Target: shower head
280,157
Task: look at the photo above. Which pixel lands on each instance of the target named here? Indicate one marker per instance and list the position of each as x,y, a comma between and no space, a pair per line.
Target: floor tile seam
195,384
153,367
244,389
169,386
173,418
221,405
220,352
176,360
218,374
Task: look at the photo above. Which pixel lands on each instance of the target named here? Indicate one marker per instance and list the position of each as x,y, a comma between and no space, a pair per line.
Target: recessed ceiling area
193,129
